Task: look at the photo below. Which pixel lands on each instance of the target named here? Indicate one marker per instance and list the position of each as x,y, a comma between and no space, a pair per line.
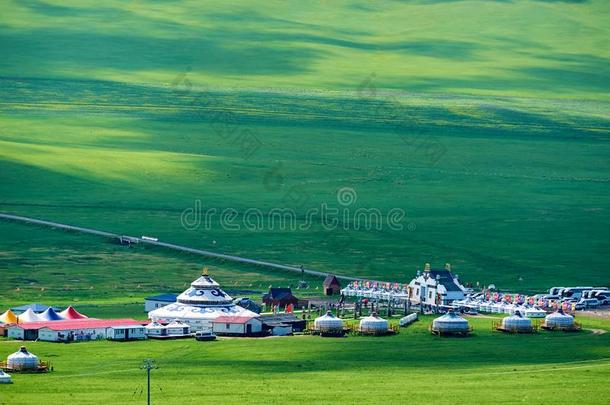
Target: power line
149,364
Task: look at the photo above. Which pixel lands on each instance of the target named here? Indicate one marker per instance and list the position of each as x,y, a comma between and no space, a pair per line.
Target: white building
74,330
436,287
126,332
237,325
199,305
158,301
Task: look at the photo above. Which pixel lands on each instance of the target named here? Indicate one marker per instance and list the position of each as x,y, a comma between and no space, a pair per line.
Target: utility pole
149,364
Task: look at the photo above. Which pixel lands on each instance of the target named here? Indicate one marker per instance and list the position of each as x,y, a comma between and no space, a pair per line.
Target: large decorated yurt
29,316
374,325
450,324
328,325
22,360
71,313
50,315
199,305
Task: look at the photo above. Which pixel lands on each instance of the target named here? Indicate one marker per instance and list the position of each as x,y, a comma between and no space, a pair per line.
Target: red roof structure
232,319
87,323
71,313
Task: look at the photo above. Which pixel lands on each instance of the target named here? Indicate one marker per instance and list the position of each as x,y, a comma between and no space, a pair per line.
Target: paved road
135,239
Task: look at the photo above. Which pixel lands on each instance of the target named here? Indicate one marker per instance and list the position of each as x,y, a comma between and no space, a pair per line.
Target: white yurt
199,305
517,323
22,360
450,323
5,378
177,328
155,329
374,325
559,320
29,316
328,325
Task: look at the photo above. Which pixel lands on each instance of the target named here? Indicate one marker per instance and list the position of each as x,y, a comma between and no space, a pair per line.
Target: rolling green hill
486,122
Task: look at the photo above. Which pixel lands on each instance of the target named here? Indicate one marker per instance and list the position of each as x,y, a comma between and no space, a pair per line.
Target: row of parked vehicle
582,297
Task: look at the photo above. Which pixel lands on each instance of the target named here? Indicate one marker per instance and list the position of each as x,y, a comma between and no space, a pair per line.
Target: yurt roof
199,296
3,374
29,316
205,282
71,313
327,315
50,315
559,314
451,317
22,353
373,317
8,317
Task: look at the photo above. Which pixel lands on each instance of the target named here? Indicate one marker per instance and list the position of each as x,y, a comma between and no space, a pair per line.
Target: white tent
178,328
29,316
22,360
5,378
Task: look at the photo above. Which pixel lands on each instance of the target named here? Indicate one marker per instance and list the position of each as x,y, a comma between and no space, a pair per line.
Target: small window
228,325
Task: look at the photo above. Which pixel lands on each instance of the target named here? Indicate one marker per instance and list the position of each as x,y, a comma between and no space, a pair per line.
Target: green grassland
525,48
106,280
488,123
412,367
494,141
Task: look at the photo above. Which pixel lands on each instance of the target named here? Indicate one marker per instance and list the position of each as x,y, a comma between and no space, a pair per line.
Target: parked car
604,299
587,303
205,336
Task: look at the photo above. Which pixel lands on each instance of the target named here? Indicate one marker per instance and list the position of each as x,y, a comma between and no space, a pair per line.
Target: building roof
71,313
132,326
50,315
279,294
233,319
278,324
331,280
282,318
88,323
167,297
8,317
445,278
28,316
35,307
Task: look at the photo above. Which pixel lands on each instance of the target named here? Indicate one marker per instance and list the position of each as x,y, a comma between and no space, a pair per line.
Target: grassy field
487,122
104,279
412,367
494,143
